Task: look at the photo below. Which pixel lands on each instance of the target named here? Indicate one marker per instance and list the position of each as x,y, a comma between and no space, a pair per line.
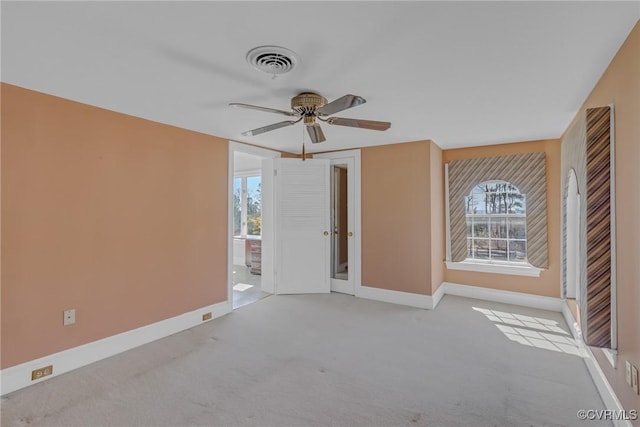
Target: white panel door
302,226
268,225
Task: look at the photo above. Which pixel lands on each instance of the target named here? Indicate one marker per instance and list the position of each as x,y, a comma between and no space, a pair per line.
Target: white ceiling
459,73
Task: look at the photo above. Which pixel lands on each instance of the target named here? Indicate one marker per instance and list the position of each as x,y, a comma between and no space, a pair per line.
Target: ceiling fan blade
315,133
269,128
347,101
357,123
268,110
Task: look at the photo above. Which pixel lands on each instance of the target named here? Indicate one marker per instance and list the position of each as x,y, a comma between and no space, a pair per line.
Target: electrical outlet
41,373
634,379
206,316
69,317
627,372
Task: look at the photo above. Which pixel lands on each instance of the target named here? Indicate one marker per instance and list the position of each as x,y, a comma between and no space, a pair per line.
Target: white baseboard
19,376
571,322
605,390
395,297
507,297
437,295
431,301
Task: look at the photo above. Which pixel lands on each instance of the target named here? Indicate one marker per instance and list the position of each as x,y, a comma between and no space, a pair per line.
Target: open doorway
247,229
247,225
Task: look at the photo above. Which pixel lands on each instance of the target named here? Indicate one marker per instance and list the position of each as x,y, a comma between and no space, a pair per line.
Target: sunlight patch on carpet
533,331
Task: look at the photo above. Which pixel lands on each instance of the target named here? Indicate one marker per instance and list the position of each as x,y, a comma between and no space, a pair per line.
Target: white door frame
256,151
355,261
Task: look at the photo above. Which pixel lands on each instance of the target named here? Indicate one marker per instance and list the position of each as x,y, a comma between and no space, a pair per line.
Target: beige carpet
331,360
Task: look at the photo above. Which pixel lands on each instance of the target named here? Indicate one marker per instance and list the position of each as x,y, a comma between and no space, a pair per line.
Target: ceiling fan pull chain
304,152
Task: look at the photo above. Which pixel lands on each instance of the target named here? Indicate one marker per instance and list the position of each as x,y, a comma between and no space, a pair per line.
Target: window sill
612,356
516,270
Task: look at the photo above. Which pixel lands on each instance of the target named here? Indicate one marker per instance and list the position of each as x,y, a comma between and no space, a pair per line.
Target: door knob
326,233
350,234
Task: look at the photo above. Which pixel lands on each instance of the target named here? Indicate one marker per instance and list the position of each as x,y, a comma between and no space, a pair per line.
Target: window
247,206
237,206
496,223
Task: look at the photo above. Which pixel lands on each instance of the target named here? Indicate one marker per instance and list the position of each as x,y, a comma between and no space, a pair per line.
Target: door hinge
275,172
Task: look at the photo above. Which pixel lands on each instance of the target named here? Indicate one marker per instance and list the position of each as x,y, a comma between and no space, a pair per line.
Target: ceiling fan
309,106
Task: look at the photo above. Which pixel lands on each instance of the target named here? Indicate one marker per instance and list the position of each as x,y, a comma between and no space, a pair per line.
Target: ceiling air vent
272,60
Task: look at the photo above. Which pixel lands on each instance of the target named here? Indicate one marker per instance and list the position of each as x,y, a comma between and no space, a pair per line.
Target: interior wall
548,284
121,218
437,217
396,217
620,86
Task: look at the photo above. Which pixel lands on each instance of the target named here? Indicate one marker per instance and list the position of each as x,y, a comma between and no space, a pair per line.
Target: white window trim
481,267
521,269
611,355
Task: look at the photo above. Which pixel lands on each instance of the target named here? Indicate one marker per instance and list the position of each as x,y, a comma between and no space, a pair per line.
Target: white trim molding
19,376
395,297
267,217
506,297
437,295
612,356
355,265
571,322
515,269
431,301
612,233
447,211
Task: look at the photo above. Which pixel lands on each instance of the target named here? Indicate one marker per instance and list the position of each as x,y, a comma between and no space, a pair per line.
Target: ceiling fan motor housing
306,105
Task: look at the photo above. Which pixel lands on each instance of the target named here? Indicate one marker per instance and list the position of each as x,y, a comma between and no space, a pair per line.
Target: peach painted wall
620,86
437,217
396,217
548,284
121,218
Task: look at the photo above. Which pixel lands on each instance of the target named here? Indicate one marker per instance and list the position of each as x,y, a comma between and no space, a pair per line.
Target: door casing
268,225
352,159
